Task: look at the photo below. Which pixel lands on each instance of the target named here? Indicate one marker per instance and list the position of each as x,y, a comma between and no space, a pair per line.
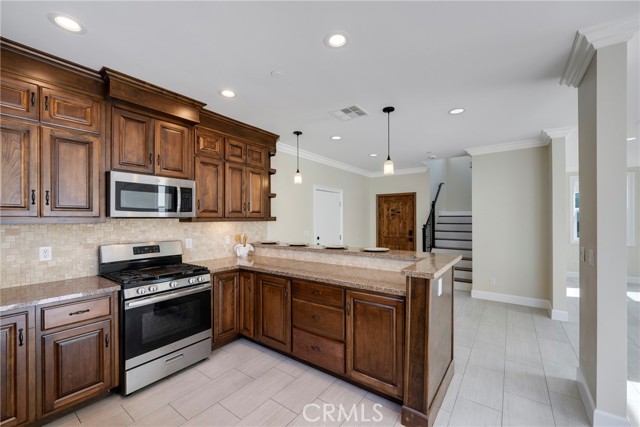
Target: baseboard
573,275
561,315
512,299
597,417
605,419
454,213
461,286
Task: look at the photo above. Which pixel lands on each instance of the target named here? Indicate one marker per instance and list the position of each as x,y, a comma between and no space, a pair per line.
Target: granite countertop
432,267
43,293
410,256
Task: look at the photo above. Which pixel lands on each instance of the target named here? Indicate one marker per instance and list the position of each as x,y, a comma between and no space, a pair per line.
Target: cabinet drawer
319,319
322,351
61,315
320,294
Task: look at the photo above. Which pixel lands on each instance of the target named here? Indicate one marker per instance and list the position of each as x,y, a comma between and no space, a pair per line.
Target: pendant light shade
388,164
297,178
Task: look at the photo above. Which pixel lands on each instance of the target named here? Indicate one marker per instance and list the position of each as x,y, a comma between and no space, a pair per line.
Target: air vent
349,113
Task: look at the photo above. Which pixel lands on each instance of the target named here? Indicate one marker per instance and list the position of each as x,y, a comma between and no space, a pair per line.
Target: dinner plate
376,249
335,247
297,244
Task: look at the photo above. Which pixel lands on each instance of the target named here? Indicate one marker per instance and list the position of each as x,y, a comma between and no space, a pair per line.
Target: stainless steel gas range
165,310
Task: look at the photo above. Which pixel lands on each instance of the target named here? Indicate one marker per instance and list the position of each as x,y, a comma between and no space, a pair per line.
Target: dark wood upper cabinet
14,381
76,365
235,151
234,191
247,304
209,143
19,165
225,306
174,156
132,145
69,109
375,341
209,175
274,312
18,98
256,156
256,193
70,173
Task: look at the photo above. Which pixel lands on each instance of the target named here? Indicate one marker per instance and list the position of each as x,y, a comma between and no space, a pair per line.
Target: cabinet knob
150,159
20,337
33,99
106,340
46,103
158,159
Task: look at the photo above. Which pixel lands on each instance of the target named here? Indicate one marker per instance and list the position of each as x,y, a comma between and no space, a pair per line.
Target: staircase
453,235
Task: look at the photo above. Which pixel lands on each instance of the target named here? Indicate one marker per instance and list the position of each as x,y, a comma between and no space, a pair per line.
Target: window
574,186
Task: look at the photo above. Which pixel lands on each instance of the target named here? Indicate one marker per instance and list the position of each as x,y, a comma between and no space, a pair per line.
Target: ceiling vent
349,113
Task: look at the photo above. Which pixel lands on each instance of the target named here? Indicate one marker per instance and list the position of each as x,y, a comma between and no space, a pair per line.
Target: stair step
464,263
461,286
466,253
463,280
453,234
450,219
452,243
457,267
453,227
462,275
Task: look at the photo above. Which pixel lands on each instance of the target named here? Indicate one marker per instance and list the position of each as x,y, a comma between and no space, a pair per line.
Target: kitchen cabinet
274,312
247,304
375,341
76,351
243,153
209,174
145,144
225,306
18,97
245,192
57,175
14,376
209,143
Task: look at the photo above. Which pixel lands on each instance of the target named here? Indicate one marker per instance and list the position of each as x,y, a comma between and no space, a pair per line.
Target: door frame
415,214
317,188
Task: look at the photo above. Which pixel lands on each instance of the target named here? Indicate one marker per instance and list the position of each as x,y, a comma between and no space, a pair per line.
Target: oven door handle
166,296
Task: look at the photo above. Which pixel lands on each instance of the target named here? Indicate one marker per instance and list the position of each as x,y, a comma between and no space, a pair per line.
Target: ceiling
501,61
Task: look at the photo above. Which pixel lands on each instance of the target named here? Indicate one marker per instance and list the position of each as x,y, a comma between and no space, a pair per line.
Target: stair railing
429,228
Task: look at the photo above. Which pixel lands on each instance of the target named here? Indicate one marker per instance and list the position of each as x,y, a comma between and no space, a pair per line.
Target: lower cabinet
247,304
76,365
274,312
375,341
225,307
14,391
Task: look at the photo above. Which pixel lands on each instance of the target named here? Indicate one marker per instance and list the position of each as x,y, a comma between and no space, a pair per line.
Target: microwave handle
178,206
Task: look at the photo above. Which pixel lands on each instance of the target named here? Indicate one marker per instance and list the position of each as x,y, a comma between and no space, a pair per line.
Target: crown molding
509,146
548,134
587,41
284,148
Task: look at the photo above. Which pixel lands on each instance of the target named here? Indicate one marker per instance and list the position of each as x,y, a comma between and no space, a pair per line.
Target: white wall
456,175
511,214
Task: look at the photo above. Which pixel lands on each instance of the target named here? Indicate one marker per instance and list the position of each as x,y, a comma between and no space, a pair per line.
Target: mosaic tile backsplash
75,246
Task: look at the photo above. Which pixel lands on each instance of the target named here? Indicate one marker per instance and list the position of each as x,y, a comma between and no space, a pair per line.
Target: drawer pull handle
33,99
33,197
349,308
315,348
158,159
79,312
20,337
46,103
150,159
46,197
198,204
106,340
174,358
316,317
316,292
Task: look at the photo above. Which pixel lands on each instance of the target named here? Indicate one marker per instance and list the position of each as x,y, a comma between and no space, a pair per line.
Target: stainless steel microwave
133,195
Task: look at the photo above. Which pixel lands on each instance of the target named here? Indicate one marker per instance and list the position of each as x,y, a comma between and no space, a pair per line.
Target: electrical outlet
492,281
188,243
44,253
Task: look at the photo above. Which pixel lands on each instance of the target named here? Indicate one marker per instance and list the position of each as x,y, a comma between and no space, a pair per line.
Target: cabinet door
256,194
14,391
375,339
76,365
209,187
274,312
131,142
234,191
235,151
70,109
173,150
225,306
18,98
209,143
19,166
247,304
70,173
256,156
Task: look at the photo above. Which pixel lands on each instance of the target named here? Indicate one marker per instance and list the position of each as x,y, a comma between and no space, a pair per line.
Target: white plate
335,247
268,242
376,249
297,244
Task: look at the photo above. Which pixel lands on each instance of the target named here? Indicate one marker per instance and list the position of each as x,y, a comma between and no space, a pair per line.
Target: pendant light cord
389,135
297,153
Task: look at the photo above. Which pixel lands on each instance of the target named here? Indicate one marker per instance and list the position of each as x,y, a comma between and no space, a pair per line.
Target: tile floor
514,366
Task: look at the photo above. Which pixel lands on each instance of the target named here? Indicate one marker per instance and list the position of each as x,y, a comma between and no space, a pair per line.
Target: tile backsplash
75,246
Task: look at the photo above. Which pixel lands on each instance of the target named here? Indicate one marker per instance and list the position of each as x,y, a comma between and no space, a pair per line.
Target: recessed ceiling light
276,74
633,138
336,40
336,138
456,111
373,155
67,22
227,93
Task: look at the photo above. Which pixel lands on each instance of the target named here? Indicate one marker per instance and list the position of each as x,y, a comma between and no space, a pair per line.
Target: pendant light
297,178
388,164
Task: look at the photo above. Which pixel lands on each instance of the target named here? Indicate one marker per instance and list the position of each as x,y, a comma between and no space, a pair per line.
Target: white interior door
328,216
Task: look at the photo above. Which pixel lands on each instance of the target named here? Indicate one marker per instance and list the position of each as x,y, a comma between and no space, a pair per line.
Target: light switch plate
592,257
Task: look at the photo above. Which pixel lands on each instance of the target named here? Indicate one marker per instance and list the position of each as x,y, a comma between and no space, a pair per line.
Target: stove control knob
141,291
201,279
153,288
173,284
192,280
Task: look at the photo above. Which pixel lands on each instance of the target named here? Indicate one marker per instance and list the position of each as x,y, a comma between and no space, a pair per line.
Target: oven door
159,324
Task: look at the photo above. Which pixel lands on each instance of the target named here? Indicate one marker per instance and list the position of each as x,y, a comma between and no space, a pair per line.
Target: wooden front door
396,224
